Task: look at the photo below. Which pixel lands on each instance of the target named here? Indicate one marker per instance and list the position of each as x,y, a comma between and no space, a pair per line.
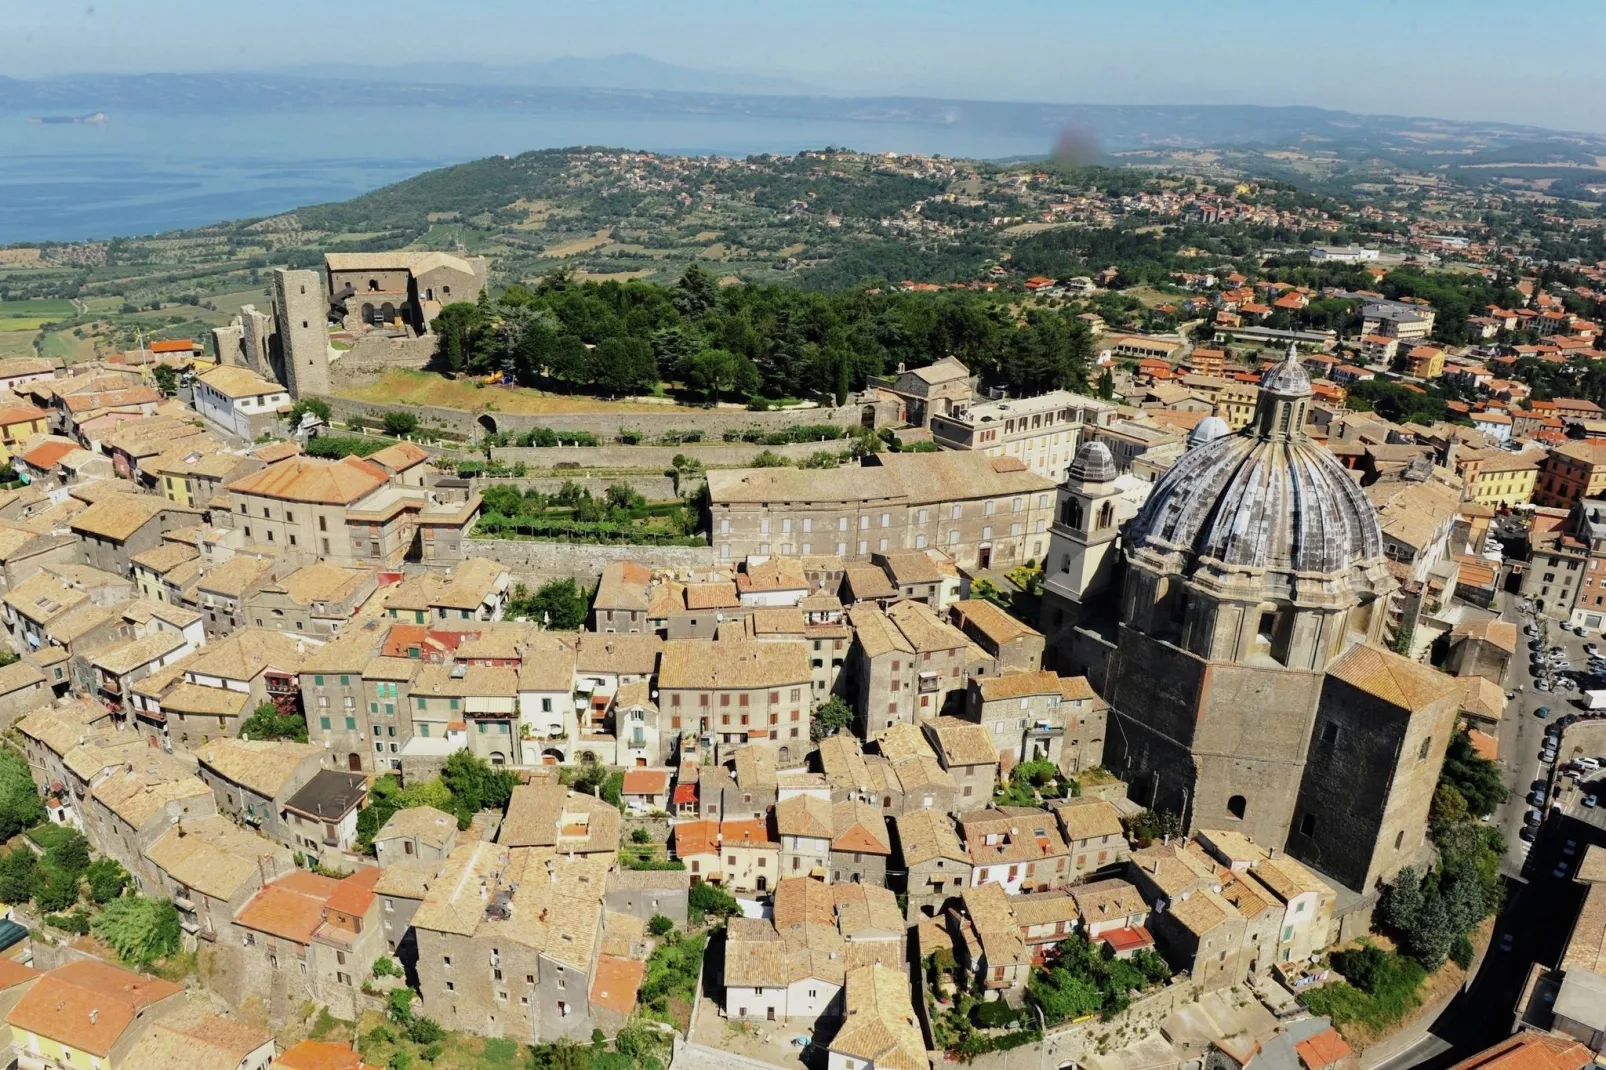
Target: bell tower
1081,561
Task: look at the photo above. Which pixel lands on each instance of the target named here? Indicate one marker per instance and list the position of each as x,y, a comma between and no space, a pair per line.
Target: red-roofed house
319,934
1325,1049
646,790
614,985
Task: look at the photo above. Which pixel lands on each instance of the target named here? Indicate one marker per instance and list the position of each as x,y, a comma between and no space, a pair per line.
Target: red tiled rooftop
1127,939
646,781
1323,1050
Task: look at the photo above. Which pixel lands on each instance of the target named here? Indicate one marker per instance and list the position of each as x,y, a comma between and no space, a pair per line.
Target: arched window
1237,806
1106,515
1071,514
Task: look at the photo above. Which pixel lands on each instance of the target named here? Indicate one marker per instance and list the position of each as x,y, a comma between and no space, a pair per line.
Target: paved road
1539,906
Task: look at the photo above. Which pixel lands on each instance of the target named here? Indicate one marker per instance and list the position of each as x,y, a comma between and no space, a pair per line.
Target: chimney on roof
94,1015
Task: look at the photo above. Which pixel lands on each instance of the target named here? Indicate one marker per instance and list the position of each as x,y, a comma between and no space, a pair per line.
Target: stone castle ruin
365,313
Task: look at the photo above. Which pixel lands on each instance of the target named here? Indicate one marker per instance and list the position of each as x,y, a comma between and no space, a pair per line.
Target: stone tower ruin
301,311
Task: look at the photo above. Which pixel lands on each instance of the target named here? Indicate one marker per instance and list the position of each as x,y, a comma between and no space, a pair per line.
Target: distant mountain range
648,89
627,70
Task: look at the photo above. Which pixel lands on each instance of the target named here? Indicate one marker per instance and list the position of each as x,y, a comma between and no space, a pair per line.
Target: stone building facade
1245,624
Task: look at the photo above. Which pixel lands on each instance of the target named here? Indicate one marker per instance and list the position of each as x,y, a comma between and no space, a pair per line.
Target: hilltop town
1145,690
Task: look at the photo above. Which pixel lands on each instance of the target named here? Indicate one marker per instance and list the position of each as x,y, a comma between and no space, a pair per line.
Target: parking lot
1546,686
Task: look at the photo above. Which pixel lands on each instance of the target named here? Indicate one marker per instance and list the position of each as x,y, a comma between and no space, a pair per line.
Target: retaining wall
584,560
712,422
721,455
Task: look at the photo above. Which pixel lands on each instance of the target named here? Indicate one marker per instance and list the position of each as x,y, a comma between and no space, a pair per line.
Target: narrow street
1539,906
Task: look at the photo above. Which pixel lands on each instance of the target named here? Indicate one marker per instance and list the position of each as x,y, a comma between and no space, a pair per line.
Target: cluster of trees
467,785
561,605
672,972
575,515
59,878
1455,298
1399,403
1580,377
830,717
1085,978
1379,988
778,342
267,721
1032,781
1433,913
20,805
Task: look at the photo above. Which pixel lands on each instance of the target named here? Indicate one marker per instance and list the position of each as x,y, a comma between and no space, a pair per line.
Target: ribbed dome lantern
1267,498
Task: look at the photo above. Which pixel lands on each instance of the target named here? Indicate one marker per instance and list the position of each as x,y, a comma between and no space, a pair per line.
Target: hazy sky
1466,59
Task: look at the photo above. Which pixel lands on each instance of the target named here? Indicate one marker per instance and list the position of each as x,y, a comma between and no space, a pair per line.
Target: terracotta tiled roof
616,982
291,907
195,1038
309,479
87,1004
318,1055
1386,675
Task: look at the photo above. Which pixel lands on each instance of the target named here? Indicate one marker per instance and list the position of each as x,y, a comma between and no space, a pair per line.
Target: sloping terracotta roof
1386,675
87,1004
309,479
616,982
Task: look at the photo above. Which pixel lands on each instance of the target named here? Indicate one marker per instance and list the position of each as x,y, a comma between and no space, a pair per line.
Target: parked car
1539,798
1541,685
1534,817
1569,848
1506,941
1527,832
1542,712
1560,871
1590,802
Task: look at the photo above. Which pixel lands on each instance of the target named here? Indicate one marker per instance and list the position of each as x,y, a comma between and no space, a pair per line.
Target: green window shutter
318,680
323,722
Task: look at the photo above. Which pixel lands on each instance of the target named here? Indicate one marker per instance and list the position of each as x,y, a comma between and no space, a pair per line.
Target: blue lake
145,172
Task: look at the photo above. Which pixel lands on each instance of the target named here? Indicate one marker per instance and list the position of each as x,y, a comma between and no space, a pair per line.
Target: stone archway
551,757
488,423
354,762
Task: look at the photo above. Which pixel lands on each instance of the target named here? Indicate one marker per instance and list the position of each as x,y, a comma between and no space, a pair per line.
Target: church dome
1208,430
1093,463
1266,498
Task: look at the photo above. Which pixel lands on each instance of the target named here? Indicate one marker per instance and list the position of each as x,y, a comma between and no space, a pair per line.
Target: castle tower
301,311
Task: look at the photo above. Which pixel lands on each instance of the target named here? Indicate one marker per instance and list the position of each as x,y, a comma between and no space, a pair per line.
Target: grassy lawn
400,387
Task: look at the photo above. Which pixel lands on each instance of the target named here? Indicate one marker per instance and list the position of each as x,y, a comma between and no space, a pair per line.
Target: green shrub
707,900
385,966
106,880
660,925
640,835
423,1030
398,423
1391,991
77,922
140,930
994,1014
